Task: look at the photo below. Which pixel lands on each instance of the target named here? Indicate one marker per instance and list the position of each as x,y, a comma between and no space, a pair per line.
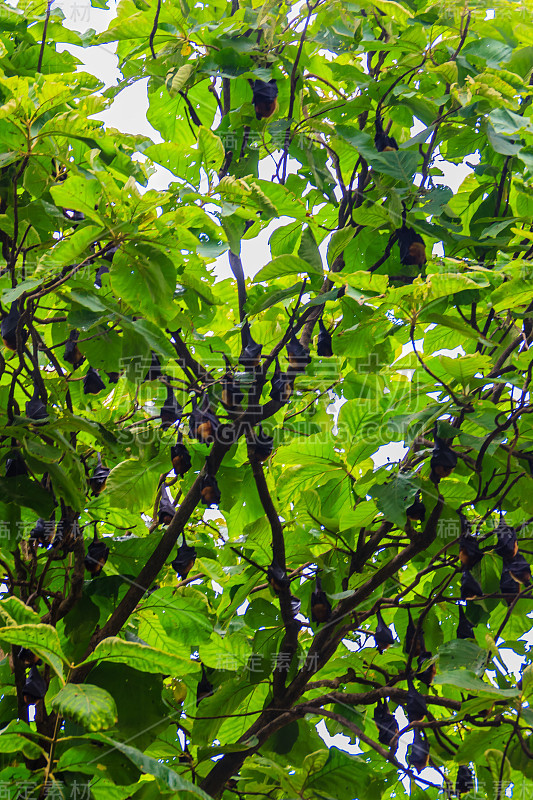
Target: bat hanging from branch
382,141
185,558
412,246
265,98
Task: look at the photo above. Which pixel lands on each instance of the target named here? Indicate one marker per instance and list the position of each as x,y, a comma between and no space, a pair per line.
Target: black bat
8,327
261,446
154,370
108,254
383,636
414,638
231,392
28,658
185,558
385,143
324,347
113,377
265,98
209,491
386,723
507,546
425,675
470,588
98,479
92,382
98,277
412,247
415,705
277,577
469,552
465,629
180,457
508,585
282,385
251,351
35,408
382,142
72,353
418,751
203,424
35,688
464,781
40,533
166,509
15,465
171,410
443,459
320,605
416,511
519,569
67,533
73,216
297,354
97,554
205,688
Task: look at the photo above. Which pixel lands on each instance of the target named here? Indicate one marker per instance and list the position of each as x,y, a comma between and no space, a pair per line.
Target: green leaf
138,656
493,51
154,767
394,497
15,612
14,743
459,654
399,164
495,759
339,241
132,484
309,251
71,249
464,368
145,263
527,681
43,640
176,79
464,679
211,148
79,194
285,265
88,705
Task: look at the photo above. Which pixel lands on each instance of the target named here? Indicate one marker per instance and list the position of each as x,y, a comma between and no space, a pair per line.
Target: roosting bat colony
202,414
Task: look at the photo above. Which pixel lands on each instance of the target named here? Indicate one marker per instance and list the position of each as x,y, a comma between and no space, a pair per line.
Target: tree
154,650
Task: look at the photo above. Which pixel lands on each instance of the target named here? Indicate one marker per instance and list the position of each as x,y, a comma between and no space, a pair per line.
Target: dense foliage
153,649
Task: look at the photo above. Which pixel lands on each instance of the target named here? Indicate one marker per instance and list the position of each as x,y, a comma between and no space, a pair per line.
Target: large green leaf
154,767
132,484
138,656
15,612
43,640
89,706
394,497
464,679
286,265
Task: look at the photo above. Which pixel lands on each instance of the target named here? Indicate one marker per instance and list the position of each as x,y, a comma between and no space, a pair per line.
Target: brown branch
154,28
289,642
294,74
238,273
43,42
76,586
156,561
324,645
